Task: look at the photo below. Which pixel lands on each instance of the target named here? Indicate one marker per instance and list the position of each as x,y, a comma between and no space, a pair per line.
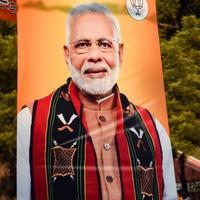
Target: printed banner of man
87,140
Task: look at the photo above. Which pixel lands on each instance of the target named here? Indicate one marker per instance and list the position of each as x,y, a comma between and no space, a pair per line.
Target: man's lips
95,71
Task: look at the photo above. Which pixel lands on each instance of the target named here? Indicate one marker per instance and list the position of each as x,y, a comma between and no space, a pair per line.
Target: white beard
95,86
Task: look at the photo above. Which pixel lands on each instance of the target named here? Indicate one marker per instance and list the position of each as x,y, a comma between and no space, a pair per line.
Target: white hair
92,8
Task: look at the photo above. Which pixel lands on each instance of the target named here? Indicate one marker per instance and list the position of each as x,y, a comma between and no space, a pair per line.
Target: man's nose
94,54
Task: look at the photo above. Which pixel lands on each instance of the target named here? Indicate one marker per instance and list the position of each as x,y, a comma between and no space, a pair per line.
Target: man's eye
105,45
82,45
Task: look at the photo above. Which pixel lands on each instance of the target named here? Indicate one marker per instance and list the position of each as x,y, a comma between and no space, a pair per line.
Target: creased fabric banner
8,10
41,65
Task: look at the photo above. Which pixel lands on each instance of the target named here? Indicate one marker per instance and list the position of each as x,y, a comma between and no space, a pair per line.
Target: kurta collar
105,103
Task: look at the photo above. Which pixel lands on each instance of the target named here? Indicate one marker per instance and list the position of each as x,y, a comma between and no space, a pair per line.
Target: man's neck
104,102
97,97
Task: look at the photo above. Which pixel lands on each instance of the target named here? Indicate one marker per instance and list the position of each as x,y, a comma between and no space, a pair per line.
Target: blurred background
179,32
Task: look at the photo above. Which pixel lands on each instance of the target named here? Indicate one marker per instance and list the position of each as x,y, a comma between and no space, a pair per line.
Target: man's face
93,53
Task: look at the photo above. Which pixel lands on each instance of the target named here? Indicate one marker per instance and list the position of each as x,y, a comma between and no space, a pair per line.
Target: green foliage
7,28
8,76
181,58
189,7
8,123
8,62
180,47
170,13
167,10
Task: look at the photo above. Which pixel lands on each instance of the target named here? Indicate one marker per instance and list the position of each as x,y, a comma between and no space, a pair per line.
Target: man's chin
94,86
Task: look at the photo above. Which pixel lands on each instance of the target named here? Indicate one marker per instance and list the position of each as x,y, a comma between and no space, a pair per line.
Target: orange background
41,66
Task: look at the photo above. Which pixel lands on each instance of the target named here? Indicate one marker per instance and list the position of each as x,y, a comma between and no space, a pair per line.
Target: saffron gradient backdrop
41,65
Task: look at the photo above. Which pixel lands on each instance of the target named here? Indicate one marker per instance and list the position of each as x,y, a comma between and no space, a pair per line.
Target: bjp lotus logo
138,9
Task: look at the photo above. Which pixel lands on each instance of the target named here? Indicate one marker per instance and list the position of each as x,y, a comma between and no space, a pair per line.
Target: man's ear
121,52
66,53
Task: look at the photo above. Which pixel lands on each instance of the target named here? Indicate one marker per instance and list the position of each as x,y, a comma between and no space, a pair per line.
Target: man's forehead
92,26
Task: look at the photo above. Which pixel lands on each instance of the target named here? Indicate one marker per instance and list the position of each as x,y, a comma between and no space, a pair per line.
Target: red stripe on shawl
92,187
157,148
73,92
91,174
124,156
39,148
